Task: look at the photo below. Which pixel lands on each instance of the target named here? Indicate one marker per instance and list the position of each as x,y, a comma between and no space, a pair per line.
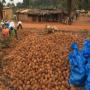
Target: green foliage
84,4
44,3
76,4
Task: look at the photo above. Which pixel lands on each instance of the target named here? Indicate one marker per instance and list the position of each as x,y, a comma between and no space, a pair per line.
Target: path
83,23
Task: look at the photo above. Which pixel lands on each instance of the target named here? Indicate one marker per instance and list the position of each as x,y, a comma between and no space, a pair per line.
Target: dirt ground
83,23
56,43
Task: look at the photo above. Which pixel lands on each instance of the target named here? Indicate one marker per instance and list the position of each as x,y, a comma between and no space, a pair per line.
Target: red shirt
5,33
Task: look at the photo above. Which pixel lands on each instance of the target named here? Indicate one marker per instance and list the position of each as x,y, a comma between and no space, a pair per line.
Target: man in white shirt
19,25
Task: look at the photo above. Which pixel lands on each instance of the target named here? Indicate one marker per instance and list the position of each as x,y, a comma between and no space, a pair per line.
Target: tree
69,6
84,4
26,3
44,3
65,4
2,2
1,12
19,5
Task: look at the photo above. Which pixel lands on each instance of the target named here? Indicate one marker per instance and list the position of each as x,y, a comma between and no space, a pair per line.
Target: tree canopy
80,4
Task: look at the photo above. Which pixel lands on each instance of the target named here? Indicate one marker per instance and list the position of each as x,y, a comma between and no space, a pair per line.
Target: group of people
9,28
73,16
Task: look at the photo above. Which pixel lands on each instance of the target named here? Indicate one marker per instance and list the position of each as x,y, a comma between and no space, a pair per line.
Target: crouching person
5,36
13,31
5,33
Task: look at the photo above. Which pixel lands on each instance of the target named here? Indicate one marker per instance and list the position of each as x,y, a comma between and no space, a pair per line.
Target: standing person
19,25
77,14
69,20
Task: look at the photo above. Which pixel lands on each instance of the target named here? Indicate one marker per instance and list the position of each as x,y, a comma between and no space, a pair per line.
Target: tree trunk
87,4
69,4
1,11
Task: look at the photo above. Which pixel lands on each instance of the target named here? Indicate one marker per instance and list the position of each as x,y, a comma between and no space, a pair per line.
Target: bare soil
83,23
24,52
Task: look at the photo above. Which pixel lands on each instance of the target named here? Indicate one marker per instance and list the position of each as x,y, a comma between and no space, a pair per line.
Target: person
19,25
77,14
69,20
7,24
5,32
12,29
0,28
11,25
5,42
2,24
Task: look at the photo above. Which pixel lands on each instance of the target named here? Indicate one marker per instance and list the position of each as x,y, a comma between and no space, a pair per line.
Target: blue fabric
86,49
87,84
74,45
86,54
77,67
7,25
